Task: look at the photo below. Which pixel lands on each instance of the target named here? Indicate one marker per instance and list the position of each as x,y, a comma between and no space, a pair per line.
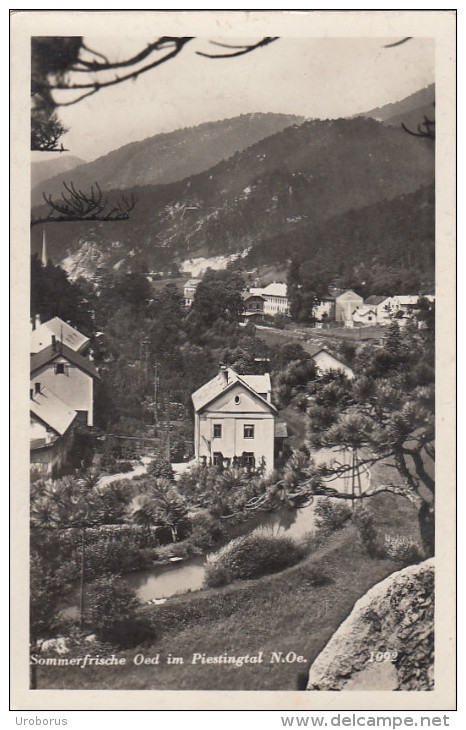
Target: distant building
325,362
386,308
275,298
325,309
407,302
234,421
253,306
345,304
189,291
365,315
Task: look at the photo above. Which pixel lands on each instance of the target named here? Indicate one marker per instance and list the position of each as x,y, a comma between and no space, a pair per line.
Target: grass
310,336
296,610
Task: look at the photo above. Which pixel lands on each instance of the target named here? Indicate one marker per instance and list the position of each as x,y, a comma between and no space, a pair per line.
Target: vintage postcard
233,248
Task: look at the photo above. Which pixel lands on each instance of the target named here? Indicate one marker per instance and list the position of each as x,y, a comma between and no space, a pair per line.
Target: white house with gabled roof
234,421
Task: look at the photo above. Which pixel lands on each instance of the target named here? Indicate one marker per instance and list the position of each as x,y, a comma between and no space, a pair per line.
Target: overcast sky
313,77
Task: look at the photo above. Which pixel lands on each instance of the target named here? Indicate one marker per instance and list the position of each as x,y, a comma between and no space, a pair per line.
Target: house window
59,368
237,399
249,432
248,458
217,458
217,430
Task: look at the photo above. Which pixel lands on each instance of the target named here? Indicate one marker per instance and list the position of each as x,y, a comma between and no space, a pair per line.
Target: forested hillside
165,158
286,188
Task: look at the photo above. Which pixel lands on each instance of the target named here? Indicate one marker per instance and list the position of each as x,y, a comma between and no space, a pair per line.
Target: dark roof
250,295
312,348
50,353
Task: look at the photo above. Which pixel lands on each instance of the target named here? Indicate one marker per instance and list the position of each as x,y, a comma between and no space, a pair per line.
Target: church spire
44,249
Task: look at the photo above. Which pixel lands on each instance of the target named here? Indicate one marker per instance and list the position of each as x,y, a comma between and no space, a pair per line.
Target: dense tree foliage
54,295
218,296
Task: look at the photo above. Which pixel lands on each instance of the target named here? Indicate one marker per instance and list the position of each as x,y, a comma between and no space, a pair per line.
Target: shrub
251,556
111,611
402,549
217,575
363,518
331,514
160,468
205,530
123,467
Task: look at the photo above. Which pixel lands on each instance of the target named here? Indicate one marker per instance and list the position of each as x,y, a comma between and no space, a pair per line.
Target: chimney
37,321
224,374
37,388
54,343
31,393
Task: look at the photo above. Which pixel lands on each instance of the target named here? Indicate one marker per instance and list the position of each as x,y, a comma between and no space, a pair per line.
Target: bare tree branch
244,49
76,205
425,129
95,86
398,43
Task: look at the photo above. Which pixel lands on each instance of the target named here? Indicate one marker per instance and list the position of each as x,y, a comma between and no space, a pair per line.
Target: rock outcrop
387,641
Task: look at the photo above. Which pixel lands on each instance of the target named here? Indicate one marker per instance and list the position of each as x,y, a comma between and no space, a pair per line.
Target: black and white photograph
233,267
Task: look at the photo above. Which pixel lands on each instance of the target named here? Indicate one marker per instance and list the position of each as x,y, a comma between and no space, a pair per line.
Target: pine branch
77,206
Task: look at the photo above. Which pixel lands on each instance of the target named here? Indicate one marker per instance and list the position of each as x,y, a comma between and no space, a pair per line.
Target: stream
155,585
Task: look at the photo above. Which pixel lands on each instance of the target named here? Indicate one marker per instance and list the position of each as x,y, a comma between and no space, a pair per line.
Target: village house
325,362
61,392
68,375
407,303
253,306
234,421
337,306
52,425
384,306
276,299
365,315
189,291
325,309
345,305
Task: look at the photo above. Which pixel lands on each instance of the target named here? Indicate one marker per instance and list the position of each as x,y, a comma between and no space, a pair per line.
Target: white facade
325,363
385,309
324,310
234,417
67,382
275,298
189,291
345,304
365,315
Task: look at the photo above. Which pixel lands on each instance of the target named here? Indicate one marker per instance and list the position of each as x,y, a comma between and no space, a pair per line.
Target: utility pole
156,389
81,586
355,477
167,402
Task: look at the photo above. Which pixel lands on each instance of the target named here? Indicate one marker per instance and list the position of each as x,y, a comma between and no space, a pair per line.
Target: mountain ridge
306,173
171,156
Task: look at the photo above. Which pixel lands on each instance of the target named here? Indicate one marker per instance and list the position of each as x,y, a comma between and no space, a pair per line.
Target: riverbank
295,612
